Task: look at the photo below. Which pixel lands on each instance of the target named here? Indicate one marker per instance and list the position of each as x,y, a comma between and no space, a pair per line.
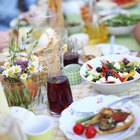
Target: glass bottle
97,31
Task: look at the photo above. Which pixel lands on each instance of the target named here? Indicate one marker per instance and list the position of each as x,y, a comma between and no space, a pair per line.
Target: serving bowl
122,30
110,88
120,24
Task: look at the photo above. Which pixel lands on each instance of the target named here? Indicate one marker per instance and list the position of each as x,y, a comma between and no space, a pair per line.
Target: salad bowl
121,77
121,24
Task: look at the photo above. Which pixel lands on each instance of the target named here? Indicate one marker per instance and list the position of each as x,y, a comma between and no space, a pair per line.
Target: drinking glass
71,55
59,94
40,22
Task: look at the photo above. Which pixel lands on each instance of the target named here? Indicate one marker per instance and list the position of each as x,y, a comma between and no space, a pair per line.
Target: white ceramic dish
117,49
93,103
110,88
21,114
119,30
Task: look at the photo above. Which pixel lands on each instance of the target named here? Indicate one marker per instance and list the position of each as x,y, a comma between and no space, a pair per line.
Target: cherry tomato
78,128
120,116
90,132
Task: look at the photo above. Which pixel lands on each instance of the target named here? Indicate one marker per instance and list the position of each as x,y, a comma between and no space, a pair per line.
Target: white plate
117,49
21,114
93,103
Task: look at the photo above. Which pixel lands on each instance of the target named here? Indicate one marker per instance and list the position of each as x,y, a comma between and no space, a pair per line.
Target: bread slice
119,128
92,50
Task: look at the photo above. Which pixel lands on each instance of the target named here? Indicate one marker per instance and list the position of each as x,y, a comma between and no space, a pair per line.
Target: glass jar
97,31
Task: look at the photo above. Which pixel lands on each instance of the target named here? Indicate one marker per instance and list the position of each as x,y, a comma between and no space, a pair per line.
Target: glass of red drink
59,94
71,56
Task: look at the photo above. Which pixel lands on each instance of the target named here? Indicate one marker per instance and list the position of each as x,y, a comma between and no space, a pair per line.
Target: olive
138,70
130,78
105,125
126,62
108,74
99,69
128,68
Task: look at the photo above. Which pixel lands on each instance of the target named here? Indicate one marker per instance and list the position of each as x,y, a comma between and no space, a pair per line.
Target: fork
118,102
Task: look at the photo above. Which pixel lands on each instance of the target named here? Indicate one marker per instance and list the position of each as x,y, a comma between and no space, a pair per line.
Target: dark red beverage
59,94
70,59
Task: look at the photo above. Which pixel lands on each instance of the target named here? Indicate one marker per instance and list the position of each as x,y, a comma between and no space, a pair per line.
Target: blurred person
11,9
8,11
4,39
137,32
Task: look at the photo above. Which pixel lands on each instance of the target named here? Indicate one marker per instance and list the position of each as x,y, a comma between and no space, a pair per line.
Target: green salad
122,20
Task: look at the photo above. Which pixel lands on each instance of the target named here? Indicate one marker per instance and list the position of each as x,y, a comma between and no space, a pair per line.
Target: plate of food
117,122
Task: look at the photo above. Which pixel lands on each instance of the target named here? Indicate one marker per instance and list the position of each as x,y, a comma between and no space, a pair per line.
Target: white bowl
122,30
110,88
119,30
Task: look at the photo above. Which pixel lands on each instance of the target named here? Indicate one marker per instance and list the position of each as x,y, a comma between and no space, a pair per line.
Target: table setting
58,80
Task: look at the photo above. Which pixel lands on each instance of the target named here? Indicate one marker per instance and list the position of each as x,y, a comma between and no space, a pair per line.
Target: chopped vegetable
90,132
78,128
85,119
89,66
122,20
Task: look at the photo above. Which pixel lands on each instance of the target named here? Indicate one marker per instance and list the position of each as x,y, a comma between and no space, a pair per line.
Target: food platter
127,4
130,4
93,103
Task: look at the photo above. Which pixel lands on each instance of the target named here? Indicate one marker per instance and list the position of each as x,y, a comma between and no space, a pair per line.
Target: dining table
85,89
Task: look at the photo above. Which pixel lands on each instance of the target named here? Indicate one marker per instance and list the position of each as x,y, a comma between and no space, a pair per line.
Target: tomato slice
90,132
78,128
89,66
120,116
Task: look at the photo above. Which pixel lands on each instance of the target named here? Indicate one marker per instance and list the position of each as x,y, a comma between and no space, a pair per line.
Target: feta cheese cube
125,73
111,79
102,80
90,77
137,75
117,65
117,80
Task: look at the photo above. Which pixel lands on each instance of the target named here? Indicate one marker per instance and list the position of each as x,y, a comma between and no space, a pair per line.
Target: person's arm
137,32
4,39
